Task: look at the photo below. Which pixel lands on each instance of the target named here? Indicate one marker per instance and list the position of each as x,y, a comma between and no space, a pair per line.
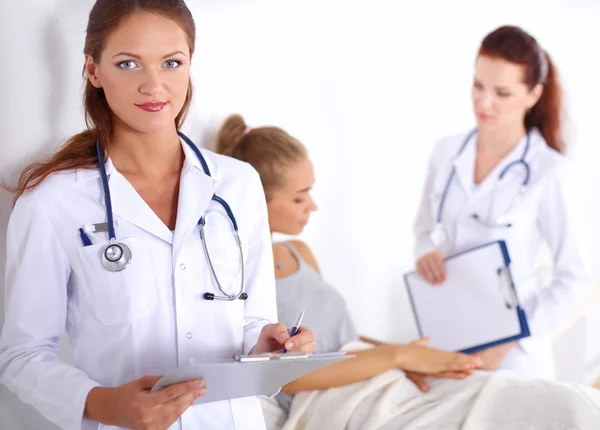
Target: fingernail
198,385
201,392
478,361
289,345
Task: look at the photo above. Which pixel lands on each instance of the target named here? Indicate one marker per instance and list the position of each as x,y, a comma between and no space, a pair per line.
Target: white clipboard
475,308
246,376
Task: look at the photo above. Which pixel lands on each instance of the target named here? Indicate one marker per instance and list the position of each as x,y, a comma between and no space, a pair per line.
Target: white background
366,85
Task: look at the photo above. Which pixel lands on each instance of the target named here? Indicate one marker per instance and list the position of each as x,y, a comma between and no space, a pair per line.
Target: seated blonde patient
350,393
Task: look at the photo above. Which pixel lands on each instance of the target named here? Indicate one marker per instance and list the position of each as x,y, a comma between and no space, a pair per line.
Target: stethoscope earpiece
211,296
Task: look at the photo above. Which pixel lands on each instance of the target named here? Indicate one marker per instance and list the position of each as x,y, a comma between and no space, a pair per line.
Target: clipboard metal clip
503,272
270,356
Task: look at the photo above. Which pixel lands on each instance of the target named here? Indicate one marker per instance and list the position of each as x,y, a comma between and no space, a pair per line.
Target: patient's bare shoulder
306,254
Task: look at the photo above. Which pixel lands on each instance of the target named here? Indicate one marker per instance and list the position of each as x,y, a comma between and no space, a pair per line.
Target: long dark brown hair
79,152
516,46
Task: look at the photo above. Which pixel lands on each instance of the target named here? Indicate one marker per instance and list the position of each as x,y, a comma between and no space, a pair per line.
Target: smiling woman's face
144,71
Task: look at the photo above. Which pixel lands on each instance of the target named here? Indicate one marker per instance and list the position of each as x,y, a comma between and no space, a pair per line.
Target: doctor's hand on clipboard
133,405
431,267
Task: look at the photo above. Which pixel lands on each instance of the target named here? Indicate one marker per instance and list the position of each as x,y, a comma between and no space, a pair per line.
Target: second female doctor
508,179
136,311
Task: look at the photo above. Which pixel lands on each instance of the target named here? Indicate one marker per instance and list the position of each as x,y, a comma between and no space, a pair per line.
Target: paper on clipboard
475,308
231,379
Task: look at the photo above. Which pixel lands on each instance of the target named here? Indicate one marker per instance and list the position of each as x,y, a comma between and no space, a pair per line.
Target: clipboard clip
267,356
503,272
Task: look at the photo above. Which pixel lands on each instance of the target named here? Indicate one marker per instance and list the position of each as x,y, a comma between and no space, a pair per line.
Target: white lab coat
546,213
147,319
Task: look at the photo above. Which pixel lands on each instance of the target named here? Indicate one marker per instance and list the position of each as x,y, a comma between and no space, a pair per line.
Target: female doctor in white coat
108,238
507,179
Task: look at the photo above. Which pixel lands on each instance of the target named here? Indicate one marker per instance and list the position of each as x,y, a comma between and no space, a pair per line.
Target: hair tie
247,130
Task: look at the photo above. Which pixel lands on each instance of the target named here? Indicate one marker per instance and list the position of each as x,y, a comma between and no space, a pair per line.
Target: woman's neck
146,154
499,142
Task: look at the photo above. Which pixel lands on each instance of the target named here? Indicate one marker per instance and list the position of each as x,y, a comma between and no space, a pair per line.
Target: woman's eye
172,64
127,64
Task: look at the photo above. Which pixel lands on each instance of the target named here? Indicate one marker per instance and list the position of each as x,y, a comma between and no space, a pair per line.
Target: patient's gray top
326,312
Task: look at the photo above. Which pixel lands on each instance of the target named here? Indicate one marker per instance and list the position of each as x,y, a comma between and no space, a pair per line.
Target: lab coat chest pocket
515,205
118,297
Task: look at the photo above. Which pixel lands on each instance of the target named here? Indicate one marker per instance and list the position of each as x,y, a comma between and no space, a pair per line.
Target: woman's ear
534,95
91,71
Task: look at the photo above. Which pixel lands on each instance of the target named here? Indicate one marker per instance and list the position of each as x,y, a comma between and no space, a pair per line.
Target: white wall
367,85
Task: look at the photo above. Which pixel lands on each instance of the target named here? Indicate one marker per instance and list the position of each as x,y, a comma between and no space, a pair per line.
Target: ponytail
546,115
79,152
230,134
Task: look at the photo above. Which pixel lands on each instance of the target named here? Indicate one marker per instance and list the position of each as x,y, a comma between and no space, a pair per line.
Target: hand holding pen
276,338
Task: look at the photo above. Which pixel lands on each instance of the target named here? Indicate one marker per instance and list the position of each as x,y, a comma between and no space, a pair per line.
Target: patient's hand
417,360
419,379
492,357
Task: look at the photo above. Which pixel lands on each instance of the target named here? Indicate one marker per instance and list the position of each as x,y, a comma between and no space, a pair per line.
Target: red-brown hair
79,152
516,46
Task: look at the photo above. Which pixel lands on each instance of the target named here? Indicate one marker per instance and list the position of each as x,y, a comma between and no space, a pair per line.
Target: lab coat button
182,266
189,335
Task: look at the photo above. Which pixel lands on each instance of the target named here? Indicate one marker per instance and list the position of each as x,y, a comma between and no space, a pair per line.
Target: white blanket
484,401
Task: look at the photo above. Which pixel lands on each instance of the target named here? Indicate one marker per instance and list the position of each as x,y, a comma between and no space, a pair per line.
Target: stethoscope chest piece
116,256
437,235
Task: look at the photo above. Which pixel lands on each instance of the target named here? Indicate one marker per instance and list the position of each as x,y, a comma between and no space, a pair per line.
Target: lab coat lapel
195,193
464,165
129,205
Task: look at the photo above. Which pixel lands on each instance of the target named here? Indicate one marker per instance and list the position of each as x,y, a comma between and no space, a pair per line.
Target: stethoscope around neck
438,235
116,256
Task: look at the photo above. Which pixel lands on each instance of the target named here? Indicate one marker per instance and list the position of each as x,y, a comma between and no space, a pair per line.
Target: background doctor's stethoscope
491,219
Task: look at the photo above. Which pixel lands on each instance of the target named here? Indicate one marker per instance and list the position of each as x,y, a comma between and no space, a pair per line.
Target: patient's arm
492,357
418,378
371,341
365,365
372,362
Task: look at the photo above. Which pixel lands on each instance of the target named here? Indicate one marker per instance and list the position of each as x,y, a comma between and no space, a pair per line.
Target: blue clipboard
471,278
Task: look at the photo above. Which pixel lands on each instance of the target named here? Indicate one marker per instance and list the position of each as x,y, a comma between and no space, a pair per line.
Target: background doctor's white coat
366,85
